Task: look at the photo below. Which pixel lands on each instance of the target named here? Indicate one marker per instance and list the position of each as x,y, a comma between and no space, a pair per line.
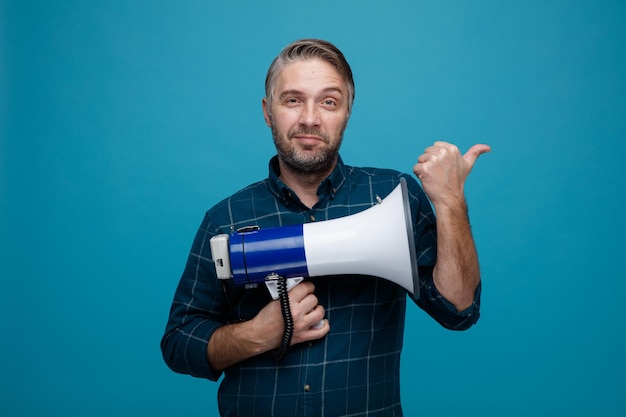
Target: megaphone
377,241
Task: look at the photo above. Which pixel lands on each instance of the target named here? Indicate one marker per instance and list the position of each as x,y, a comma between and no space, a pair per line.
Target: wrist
451,208
253,336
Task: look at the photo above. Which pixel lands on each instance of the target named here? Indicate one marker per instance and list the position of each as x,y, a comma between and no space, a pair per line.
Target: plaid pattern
354,370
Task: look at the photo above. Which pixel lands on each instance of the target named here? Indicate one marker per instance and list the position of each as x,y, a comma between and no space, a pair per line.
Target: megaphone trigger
271,282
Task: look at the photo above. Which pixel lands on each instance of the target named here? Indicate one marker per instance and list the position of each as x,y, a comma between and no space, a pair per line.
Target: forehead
310,74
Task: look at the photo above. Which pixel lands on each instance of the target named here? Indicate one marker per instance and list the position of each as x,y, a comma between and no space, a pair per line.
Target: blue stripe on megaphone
256,254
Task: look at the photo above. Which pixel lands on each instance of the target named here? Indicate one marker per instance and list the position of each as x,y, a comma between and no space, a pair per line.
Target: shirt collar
327,188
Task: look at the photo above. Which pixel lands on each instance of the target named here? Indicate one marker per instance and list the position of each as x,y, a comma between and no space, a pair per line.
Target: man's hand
234,343
306,314
443,171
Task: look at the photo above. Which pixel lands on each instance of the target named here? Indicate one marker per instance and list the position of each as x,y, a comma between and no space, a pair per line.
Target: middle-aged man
349,366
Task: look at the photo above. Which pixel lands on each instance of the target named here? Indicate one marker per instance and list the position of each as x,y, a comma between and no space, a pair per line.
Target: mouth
309,139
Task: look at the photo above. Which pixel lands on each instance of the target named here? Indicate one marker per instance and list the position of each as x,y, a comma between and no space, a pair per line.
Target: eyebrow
295,92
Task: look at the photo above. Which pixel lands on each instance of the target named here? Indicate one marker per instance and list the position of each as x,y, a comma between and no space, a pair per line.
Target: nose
310,115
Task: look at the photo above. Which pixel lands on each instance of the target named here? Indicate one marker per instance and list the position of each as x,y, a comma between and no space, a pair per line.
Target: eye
329,102
291,101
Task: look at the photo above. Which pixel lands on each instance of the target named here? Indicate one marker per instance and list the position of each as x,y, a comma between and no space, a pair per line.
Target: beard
306,161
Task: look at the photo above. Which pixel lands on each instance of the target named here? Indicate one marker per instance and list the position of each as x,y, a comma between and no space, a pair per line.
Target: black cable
283,298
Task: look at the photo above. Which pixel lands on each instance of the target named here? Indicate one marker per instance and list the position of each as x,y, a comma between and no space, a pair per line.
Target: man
350,364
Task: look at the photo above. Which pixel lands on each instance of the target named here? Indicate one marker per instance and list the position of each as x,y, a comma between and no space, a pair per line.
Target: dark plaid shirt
354,370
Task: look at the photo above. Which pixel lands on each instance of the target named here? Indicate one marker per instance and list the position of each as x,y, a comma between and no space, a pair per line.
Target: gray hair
308,49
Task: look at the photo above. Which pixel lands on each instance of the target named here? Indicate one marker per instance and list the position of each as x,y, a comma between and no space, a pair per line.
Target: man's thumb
475,151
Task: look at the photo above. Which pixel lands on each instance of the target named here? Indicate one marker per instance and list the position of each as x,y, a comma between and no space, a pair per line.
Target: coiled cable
283,298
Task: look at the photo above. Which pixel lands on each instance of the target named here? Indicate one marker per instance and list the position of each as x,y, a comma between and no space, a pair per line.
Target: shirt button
307,388
312,218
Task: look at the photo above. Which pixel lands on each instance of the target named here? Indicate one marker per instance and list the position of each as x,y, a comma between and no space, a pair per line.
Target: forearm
233,343
456,274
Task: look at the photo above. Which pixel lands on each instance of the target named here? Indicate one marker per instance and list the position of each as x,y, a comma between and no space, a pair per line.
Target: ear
266,113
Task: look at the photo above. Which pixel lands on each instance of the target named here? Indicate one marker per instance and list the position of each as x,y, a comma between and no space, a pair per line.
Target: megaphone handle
279,288
271,282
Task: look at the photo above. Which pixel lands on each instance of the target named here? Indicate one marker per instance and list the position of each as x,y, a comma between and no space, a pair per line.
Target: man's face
308,115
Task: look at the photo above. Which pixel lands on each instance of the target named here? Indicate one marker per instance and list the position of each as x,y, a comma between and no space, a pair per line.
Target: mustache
308,131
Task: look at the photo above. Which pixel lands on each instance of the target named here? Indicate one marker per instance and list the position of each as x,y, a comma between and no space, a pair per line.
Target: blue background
123,121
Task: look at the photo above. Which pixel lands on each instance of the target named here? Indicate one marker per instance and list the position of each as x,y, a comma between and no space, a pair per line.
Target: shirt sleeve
444,312
198,309
430,299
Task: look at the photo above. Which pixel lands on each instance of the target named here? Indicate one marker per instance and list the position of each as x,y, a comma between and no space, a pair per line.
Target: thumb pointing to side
474,152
